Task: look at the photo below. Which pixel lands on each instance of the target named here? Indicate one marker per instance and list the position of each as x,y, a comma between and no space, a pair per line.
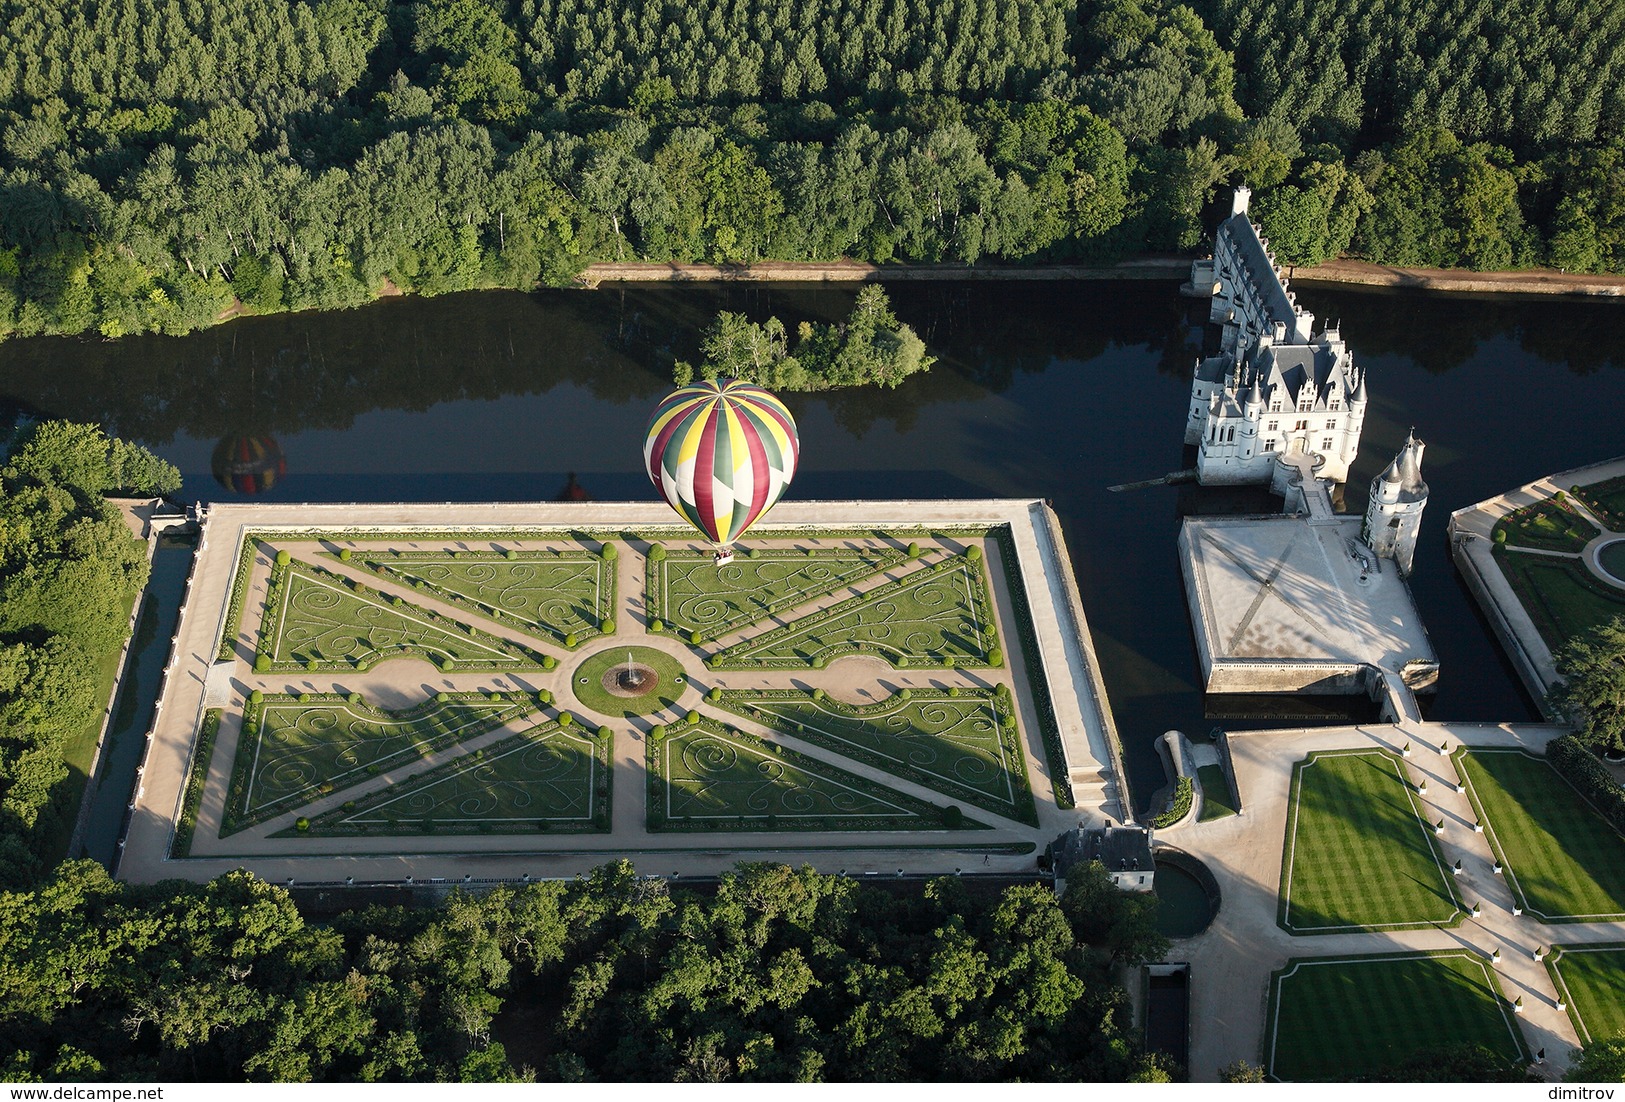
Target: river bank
1538,281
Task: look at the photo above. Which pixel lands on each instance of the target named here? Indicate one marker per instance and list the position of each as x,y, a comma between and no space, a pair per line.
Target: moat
1051,390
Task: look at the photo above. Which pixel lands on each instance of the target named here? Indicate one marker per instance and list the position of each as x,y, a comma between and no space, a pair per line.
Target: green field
318,620
552,594
1560,595
1346,1018
291,752
1563,861
1356,854
932,618
706,777
1216,802
1547,525
549,778
688,591
1593,978
958,746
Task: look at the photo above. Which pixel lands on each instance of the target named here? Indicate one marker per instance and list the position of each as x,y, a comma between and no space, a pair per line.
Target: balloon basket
724,556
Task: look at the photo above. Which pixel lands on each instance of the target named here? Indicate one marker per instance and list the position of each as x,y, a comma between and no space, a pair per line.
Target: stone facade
1276,387
1393,518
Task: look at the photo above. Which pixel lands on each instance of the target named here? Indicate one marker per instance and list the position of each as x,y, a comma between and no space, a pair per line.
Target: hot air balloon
721,452
248,464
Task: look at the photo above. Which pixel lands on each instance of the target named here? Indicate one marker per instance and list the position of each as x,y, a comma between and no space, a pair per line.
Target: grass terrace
1607,500
1560,595
1548,526
1563,861
550,778
1345,1018
294,750
1357,854
964,745
934,618
1592,977
703,776
563,597
687,591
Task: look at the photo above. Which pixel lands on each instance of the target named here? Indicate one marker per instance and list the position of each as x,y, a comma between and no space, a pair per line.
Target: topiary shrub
354,698
607,627
608,551
995,656
656,625
448,664
694,637
819,694
565,719
973,552
1500,535
905,694
283,558
657,732
952,817
442,697
262,662
255,697
693,716
345,554
605,733
510,554
301,824
714,695
304,698
570,640
913,550
657,553
549,662
948,661
312,665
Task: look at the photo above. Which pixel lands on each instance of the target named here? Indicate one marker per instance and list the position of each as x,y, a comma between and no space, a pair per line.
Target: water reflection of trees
287,373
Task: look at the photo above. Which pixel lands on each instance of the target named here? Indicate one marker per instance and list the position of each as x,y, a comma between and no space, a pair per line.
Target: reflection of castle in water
248,464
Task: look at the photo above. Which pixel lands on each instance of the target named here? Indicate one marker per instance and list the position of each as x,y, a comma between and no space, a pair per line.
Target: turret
1393,517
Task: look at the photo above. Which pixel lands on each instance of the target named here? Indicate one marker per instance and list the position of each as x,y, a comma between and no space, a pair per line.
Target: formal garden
1346,1018
535,659
1357,854
1562,860
1591,981
1539,550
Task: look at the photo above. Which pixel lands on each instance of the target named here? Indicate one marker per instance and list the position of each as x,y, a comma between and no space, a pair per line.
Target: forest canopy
162,161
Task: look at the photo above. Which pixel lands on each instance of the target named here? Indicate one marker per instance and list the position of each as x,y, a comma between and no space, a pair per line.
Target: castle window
1331,424
1337,403
1269,445
1326,445
1275,406
1274,425
1301,426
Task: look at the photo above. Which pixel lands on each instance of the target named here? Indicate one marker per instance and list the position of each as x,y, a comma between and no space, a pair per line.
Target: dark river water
1054,390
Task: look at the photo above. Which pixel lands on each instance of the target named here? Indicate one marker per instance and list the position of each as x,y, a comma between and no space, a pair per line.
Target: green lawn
552,594
1343,1018
669,687
1216,803
706,777
1356,854
549,778
1547,525
1563,861
959,746
292,752
921,620
1607,500
318,620
688,591
1560,595
1593,976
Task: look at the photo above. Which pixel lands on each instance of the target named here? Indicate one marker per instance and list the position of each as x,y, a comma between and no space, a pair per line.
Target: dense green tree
1593,688
1602,1061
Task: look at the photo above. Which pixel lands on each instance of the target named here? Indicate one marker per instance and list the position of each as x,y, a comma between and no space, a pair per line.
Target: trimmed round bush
283,558
949,662
510,554
656,625
304,698
973,552
953,817
565,719
312,665
549,662
694,637
657,553
605,733
345,554
1500,535
657,732
714,695
262,662
447,665
495,697
913,550
693,716
608,551
570,640
607,627
256,697
819,694
953,690
995,656
442,697
301,824
905,694
354,698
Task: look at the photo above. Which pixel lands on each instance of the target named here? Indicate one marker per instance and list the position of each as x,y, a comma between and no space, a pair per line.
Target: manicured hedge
1179,806
1580,767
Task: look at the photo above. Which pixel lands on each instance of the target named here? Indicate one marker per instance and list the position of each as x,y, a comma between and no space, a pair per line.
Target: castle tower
1393,518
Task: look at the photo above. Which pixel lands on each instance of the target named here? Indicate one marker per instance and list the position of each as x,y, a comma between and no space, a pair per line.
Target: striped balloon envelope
721,452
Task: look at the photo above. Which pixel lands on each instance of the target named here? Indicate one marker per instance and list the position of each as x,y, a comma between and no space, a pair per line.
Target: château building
1277,390
1393,516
